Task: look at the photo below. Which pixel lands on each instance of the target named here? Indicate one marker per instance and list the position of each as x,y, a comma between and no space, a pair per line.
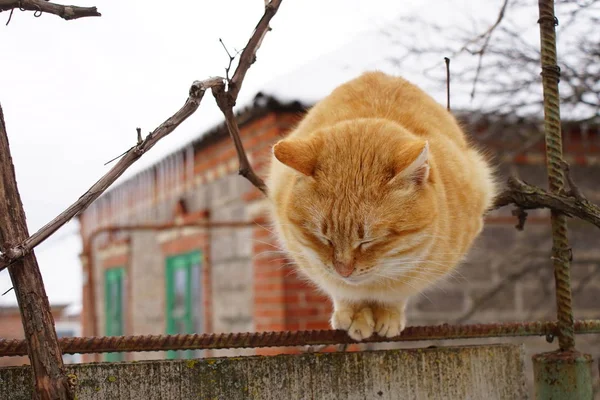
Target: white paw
362,324
342,319
389,322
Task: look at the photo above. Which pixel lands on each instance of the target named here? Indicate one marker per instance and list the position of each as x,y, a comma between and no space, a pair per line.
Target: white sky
73,92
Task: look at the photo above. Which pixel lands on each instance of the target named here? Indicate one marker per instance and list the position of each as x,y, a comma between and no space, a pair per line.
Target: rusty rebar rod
299,338
561,252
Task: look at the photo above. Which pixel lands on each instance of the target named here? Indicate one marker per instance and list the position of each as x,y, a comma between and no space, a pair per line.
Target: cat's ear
413,162
299,154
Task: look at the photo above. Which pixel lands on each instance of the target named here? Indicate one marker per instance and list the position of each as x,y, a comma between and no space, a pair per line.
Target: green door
183,294
113,295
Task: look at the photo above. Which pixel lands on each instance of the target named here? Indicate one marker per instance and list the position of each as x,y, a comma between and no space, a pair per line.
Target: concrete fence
455,373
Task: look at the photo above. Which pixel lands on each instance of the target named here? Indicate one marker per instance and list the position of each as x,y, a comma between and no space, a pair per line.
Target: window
183,297
114,298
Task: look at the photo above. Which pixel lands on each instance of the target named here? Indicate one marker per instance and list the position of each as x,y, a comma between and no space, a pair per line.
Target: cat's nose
345,269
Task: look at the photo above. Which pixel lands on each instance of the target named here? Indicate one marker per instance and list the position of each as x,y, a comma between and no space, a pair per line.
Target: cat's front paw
342,319
359,324
389,322
362,324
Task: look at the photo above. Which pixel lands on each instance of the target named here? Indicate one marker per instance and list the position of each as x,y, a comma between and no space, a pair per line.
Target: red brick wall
12,328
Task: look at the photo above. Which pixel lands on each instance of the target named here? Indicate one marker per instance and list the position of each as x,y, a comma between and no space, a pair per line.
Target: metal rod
561,252
299,338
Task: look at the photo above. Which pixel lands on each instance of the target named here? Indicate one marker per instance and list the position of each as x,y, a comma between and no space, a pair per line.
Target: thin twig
10,16
231,58
41,6
447,60
489,31
120,155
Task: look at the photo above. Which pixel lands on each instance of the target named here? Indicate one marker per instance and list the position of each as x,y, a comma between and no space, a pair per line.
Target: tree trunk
44,354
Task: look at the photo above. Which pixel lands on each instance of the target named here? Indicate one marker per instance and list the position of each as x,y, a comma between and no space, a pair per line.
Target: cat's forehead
342,215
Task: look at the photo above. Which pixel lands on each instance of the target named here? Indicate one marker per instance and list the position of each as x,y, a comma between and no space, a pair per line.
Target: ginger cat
376,195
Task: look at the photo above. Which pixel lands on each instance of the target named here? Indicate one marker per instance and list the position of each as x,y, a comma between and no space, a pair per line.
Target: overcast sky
73,92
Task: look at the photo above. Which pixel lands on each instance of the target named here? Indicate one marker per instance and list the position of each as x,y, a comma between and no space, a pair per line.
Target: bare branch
248,56
245,169
191,105
41,6
226,98
447,60
500,65
528,197
488,33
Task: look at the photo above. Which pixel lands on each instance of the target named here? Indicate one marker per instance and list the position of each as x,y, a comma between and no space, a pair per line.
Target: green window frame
183,300
114,298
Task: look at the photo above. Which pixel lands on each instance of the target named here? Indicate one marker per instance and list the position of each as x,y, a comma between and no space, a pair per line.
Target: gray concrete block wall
147,274
231,261
99,286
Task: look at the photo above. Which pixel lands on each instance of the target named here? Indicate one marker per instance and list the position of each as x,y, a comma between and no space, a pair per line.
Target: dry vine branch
191,105
226,100
41,6
226,97
530,197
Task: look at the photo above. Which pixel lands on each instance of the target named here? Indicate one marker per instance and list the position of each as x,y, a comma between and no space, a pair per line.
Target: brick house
161,275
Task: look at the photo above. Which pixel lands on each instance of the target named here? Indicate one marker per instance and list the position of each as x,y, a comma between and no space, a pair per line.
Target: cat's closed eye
325,240
365,244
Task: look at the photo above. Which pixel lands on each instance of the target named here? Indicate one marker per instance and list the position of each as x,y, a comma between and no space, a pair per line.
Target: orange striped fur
377,195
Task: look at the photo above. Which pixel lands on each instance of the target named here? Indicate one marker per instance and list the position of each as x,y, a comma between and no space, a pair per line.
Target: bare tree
497,67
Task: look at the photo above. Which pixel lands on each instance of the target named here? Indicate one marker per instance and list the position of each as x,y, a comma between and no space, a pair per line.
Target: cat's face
363,202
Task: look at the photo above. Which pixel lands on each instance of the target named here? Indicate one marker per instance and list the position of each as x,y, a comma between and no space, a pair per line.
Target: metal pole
566,373
561,252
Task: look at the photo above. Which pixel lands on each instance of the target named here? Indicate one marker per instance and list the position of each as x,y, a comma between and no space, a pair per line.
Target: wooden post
44,354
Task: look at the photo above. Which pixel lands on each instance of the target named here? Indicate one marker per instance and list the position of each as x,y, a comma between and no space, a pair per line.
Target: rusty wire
561,252
299,338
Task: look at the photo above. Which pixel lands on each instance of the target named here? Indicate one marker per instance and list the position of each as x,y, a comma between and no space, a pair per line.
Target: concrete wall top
465,372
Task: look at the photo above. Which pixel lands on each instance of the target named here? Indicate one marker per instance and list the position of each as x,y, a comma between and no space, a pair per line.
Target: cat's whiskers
417,290
265,228
422,266
404,279
277,247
